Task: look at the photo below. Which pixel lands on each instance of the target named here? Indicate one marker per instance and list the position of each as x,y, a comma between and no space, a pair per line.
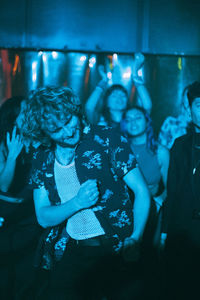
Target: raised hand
138,60
88,194
14,144
102,73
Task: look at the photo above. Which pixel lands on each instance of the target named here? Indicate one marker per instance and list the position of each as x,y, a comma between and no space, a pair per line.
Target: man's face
66,132
195,112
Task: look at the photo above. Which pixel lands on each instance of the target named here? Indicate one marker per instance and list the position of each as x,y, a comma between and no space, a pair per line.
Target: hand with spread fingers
14,144
102,73
137,65
138,60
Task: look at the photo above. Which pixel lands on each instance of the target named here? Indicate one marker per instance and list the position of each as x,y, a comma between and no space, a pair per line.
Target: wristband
138,81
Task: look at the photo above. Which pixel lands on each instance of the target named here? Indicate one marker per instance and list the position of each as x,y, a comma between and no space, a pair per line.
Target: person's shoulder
42,153
162,153
98,129
105,135
41,150
181,144
93,133
163,150
113,133
183,139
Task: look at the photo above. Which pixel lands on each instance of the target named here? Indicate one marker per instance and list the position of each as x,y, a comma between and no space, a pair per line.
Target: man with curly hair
81,197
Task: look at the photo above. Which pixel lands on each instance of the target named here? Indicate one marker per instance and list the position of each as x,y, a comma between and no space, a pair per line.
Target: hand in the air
102,73
138,60
14,144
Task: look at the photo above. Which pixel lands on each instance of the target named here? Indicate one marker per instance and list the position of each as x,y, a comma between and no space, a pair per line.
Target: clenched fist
88,194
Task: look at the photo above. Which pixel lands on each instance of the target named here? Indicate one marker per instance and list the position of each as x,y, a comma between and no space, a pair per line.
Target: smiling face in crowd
135,122
65,132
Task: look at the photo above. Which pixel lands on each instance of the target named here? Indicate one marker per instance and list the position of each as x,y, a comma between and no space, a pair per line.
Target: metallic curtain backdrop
165,75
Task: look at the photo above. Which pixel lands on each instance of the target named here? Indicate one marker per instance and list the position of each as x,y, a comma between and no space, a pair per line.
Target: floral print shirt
102,154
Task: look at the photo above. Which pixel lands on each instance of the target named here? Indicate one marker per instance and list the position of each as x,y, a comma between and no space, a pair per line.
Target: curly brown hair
43,103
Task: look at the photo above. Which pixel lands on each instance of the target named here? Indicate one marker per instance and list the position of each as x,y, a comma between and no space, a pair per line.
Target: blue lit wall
62,42
150,26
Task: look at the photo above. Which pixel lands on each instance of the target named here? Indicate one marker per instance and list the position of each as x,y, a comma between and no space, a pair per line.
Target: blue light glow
140,73
115,56
127,74
109,75
92,61
34,73
54,54
44,57
83,58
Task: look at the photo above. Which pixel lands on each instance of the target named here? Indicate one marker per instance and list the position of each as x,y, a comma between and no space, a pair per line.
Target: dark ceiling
149,26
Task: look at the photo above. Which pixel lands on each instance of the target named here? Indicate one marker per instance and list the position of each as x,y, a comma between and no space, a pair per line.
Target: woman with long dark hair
10,145
107,104
18,227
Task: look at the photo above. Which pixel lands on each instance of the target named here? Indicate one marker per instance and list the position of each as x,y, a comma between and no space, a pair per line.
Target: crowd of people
92,204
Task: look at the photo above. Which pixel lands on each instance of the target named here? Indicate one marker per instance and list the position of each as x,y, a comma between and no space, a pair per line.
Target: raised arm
143,99
94,103
8,159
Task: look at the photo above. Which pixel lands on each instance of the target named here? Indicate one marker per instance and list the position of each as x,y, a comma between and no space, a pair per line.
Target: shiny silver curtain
165,75
23,70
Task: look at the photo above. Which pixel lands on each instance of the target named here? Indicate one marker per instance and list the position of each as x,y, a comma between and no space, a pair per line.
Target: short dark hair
193,92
